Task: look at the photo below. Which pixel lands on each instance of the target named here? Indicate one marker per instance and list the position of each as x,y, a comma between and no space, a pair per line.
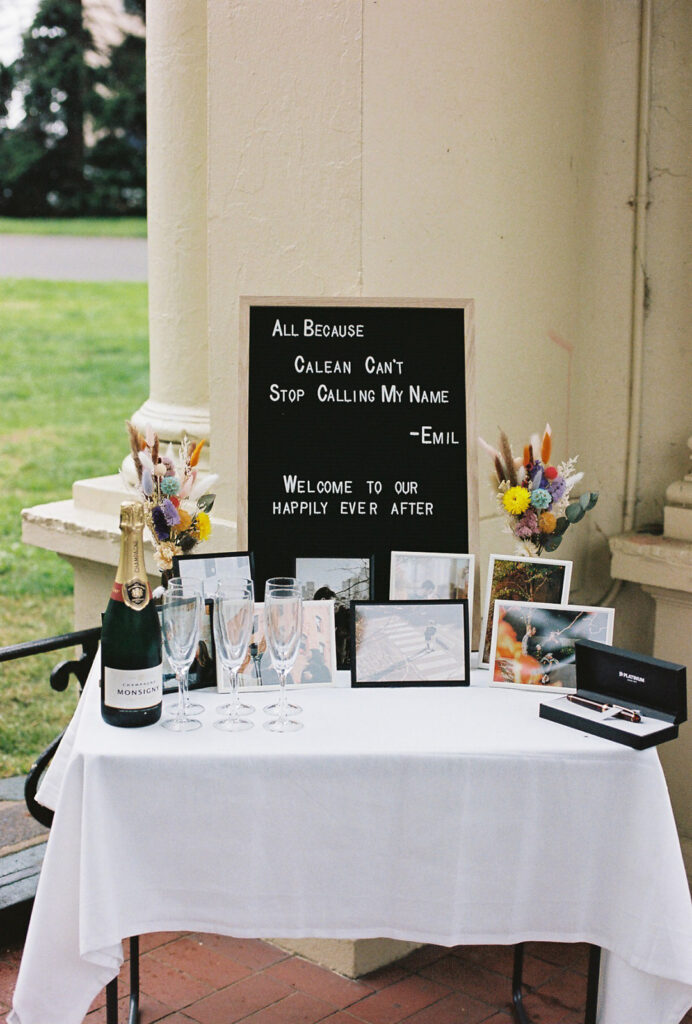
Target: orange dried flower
185,521
547,522
197,451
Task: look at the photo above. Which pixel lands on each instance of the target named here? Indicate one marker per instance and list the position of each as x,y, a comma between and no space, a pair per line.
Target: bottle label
134,594
132,689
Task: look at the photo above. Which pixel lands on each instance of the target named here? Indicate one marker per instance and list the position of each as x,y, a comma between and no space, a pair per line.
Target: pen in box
629,714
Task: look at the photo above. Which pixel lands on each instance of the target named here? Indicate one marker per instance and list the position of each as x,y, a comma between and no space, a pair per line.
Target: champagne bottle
131,672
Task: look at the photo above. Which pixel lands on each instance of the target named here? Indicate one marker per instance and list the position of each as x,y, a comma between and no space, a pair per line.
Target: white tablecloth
447,815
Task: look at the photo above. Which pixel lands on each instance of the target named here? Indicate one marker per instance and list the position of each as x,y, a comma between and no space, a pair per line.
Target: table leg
517,993
112,989
133,1017
591,985
112,1001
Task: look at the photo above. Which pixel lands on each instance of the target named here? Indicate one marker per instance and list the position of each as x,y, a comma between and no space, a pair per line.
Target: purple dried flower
537,474
169,464
557,488
526,525
161,528
170,512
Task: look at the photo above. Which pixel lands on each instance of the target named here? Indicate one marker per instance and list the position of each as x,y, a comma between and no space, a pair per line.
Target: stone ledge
654,560
86,526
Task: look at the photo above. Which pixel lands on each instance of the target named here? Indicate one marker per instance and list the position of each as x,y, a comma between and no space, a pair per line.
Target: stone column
663,567
177,220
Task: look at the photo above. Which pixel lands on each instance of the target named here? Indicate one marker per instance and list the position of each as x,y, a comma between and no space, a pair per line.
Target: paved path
67,258
22,841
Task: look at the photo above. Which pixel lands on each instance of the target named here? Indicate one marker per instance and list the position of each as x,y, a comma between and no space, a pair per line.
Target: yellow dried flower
547,522
203,526
516,500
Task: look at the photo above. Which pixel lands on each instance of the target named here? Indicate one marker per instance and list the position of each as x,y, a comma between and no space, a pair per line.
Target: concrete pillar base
172,421
663,567
351,957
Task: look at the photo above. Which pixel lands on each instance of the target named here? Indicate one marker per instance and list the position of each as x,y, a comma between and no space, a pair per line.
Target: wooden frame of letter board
248,302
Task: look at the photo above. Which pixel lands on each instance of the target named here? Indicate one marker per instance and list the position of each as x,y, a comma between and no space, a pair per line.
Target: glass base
282,725
243,709
181,724
190,708
232,724
291,709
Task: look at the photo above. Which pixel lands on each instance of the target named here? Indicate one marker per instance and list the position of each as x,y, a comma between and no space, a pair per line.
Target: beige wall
483,149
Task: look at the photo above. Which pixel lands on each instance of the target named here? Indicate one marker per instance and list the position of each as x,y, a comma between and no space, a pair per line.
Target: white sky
15,17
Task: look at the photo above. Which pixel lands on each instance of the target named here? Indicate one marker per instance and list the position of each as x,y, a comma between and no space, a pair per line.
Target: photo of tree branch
535,643
533,580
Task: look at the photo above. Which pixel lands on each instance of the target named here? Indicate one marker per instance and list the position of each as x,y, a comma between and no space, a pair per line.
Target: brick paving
213,979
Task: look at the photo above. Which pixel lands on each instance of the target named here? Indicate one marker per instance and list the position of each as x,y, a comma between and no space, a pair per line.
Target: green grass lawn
74,362
114,227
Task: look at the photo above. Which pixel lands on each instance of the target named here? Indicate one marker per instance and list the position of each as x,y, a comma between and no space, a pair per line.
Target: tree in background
116,167
45,166
42,158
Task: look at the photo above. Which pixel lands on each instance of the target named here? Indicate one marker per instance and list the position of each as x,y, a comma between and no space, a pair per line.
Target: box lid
634,680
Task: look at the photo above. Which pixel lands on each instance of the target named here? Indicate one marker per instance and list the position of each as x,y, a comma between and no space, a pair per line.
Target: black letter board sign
361,437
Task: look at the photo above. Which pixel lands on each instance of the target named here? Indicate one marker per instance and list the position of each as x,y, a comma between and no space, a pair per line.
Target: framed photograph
211,568
410,643
340,579
517,578
533,644
202,669
426,576
316,661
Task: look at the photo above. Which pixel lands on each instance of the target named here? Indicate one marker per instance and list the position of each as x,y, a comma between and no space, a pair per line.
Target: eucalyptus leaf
552,542
574,512
560,526
593,498
584,500
206,502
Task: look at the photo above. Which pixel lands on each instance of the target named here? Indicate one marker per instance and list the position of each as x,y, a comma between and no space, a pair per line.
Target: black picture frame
342,600
212,557
404,663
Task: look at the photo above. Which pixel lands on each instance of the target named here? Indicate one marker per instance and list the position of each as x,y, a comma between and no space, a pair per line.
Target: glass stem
183,689
180,679
234,694
283,710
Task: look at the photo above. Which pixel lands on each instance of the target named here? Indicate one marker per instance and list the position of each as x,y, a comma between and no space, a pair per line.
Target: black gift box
609,675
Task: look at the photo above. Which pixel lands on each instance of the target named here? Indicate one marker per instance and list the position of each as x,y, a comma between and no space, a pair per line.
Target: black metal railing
59,680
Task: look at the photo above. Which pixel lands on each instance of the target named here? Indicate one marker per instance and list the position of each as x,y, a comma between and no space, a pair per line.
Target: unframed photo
519,578
428,575
533,644
202,669
212,568
410,643
340,579
316,661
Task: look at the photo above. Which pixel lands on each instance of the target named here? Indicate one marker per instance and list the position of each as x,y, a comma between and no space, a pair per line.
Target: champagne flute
181,613
282,583
190,583
283,624
233,614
